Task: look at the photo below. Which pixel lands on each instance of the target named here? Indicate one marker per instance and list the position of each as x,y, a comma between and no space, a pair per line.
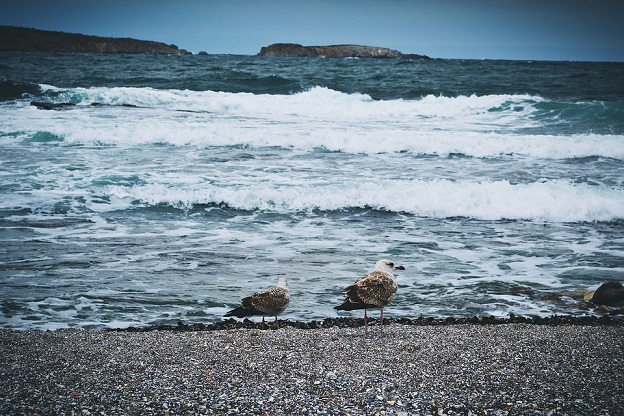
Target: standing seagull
372,291
268,302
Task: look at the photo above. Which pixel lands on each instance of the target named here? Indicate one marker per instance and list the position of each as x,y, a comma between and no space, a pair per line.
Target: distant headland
13,38
21,39
334,51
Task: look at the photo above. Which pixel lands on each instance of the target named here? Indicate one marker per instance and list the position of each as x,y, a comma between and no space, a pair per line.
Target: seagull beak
399,268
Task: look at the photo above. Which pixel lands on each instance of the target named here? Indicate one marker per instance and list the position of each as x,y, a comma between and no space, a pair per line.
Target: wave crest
321,118
558,200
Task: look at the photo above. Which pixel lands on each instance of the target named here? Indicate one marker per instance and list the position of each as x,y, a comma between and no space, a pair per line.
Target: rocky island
334,51
22,39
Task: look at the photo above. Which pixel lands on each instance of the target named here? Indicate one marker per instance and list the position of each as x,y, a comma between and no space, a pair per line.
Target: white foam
556,200
479,126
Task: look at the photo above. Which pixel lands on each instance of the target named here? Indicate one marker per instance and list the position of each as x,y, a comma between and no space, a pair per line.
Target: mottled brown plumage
268,302
372,291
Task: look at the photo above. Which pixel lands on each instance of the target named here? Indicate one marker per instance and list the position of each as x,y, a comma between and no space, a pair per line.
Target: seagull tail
353,301
350,305
242,312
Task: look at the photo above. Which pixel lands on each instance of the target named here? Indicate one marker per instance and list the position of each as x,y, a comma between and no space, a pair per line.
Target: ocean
142,190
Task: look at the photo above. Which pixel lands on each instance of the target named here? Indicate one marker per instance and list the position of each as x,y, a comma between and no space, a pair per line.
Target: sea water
158,189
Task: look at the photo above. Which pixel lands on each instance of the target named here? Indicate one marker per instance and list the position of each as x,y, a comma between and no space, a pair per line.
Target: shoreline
462,368
347,322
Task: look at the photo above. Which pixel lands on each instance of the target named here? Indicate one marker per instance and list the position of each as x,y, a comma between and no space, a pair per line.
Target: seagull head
387,266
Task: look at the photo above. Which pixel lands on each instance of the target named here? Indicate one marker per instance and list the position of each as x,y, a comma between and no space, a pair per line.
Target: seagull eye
390,264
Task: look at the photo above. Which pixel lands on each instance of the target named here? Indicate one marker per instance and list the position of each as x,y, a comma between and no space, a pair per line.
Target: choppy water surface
166,188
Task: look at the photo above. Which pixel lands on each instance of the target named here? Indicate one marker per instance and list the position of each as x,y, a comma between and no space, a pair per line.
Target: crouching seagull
268,302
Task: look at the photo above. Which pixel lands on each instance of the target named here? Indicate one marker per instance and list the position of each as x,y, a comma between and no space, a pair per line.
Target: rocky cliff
334,51
29,40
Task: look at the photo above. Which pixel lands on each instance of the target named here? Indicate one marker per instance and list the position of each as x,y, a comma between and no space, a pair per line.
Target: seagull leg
365,323
276,323
263,324
381,320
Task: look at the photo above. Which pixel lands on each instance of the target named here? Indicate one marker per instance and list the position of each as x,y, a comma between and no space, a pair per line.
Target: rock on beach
450,369
609,294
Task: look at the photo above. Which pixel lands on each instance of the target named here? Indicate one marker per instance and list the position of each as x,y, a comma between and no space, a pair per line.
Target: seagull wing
270,301
375,289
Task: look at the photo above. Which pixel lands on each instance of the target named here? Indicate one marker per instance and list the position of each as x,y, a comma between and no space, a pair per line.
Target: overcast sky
467,29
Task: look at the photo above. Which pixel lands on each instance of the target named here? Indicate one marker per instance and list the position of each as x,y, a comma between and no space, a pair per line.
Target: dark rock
334,51
51,106
42,105
342,322
609,294
204,53
22,39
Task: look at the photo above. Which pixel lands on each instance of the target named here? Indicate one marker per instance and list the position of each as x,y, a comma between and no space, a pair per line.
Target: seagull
268,302
372,291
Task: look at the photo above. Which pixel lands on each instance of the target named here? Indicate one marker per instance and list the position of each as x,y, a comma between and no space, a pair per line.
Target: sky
569,30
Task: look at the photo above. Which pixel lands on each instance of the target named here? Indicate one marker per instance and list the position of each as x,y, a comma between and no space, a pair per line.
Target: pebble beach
463,369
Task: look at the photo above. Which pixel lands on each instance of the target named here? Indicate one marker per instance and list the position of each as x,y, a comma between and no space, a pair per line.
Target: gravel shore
515,369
